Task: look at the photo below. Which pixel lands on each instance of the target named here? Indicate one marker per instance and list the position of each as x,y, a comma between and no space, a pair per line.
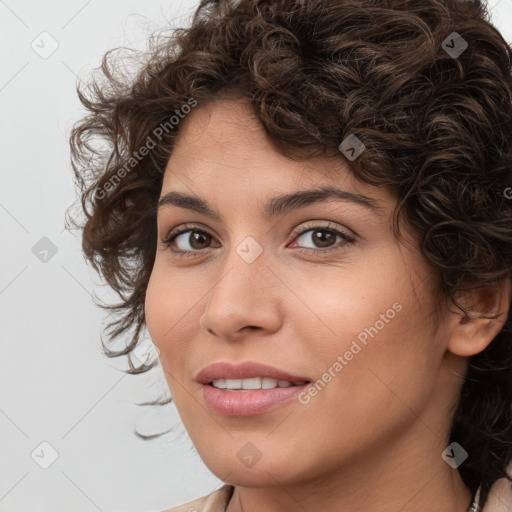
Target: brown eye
196,240
324,237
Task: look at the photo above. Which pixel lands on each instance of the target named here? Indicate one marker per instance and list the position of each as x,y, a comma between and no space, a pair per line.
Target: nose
244,297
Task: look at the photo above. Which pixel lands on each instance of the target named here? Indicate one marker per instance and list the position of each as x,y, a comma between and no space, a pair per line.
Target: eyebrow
277,205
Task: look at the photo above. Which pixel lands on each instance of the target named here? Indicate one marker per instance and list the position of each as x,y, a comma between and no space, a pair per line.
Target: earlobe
487,311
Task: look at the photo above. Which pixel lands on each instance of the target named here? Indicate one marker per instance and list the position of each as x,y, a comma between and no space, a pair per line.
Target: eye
324,236
195,239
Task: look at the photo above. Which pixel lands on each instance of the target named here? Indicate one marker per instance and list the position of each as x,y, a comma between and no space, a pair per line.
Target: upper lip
246,370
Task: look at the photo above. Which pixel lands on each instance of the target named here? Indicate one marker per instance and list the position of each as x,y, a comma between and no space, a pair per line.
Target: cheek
153,309
381,326
388,364
362,302
166,312
162,311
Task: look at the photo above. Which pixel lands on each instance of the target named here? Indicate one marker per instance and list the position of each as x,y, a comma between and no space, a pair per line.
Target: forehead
225,136
222,149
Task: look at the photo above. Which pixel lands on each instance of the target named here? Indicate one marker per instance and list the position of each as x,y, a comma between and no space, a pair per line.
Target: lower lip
248,403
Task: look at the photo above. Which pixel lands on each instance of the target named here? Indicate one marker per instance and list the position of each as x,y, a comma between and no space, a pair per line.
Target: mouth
247,375
249,388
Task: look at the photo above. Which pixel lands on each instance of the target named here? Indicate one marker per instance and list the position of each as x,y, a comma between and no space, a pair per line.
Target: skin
372,438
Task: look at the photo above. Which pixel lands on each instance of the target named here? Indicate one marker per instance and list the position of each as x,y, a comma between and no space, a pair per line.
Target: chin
262,473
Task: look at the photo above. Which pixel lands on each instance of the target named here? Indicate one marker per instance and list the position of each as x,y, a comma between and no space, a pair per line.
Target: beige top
499,500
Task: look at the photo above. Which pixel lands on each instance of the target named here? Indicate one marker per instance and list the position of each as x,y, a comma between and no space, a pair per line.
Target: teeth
253,383
233,384
268,383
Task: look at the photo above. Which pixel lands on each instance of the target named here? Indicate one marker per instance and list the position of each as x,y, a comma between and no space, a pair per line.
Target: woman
308,205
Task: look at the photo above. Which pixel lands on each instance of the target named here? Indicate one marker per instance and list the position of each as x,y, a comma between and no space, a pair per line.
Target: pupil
321,240
195,236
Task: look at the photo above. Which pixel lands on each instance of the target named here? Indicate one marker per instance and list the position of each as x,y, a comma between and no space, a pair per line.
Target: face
319,289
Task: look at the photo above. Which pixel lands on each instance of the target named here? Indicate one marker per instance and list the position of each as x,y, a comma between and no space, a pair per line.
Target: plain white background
56,386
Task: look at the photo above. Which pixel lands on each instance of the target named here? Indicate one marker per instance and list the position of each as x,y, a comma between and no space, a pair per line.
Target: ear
487,309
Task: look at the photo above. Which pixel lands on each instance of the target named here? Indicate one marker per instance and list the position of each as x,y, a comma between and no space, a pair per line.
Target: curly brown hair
437,128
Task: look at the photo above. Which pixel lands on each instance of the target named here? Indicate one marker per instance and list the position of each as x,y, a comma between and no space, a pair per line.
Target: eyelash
329,228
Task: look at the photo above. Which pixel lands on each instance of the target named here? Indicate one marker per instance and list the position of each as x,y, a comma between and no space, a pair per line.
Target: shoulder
214,502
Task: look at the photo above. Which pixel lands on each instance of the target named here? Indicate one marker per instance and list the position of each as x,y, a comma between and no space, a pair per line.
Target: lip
247,402
245,370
